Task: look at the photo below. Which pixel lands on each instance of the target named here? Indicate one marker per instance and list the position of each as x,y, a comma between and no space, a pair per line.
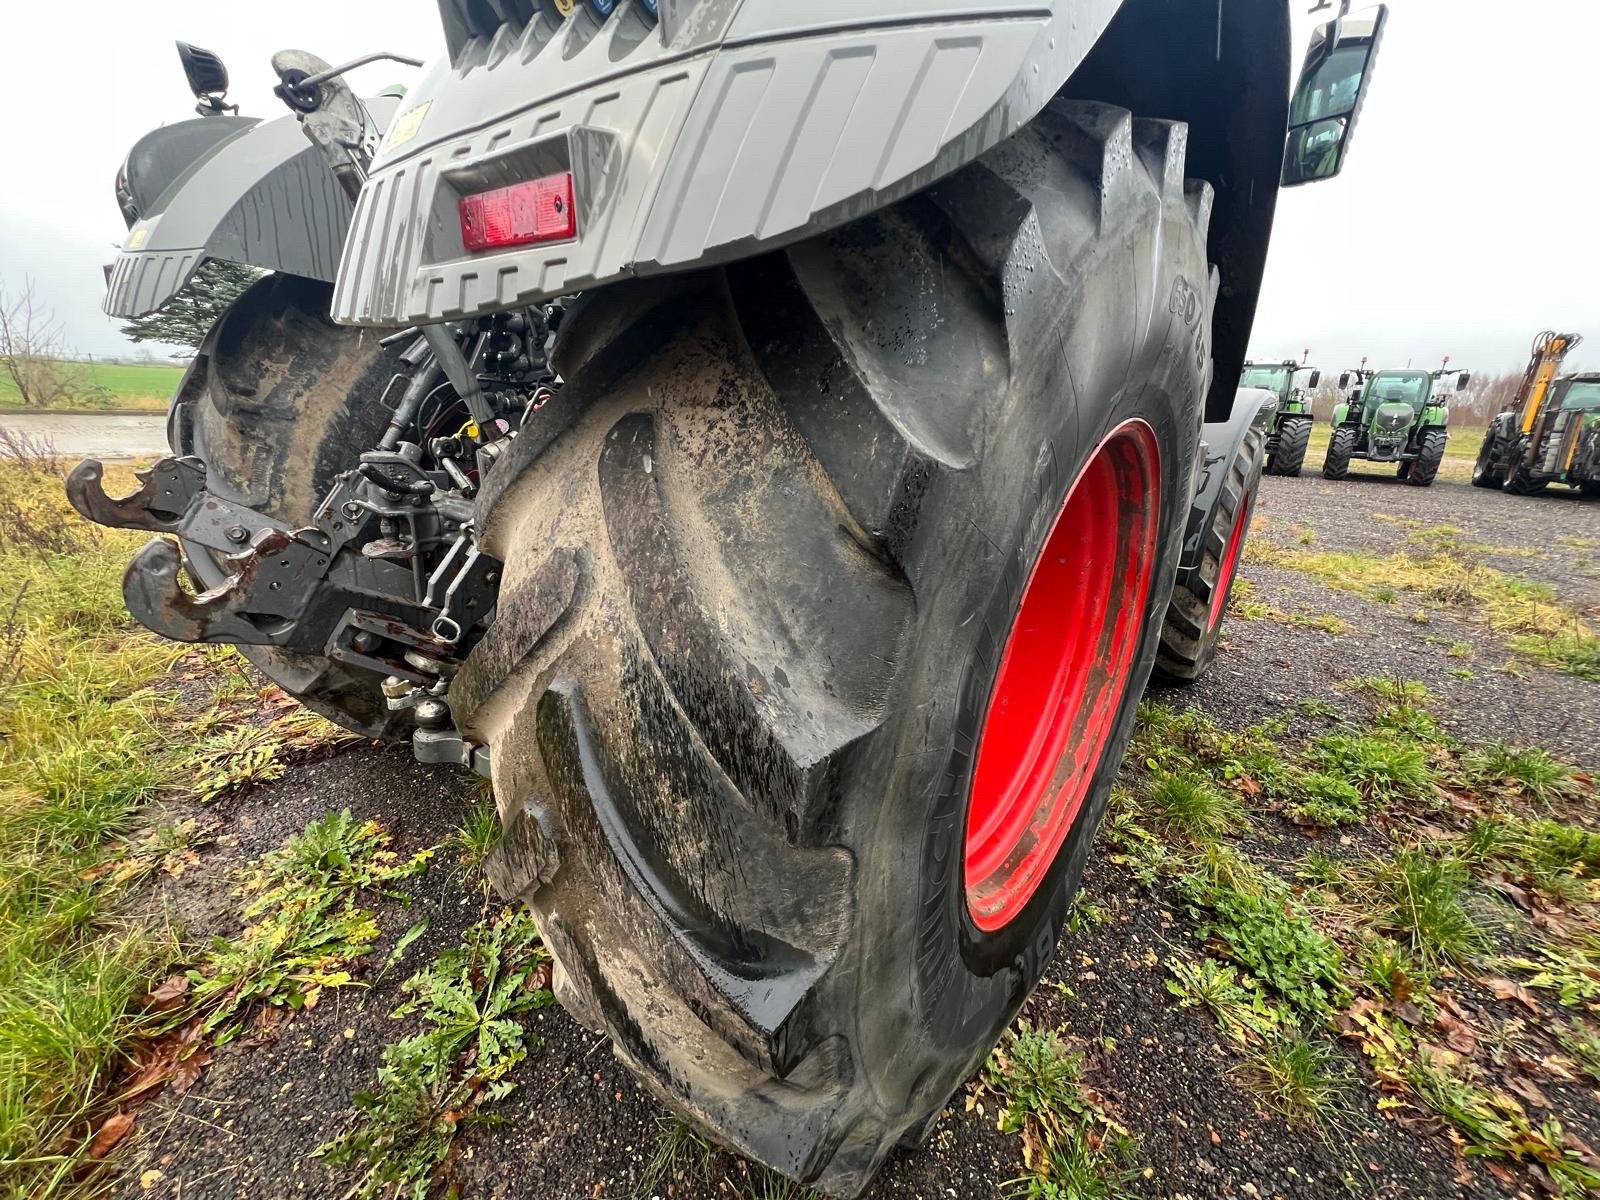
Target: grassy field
111,387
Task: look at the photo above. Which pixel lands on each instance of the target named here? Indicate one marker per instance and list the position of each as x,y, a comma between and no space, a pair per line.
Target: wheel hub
1062,677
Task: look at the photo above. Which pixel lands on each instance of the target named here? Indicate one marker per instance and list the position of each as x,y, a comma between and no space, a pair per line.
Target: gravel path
579,1127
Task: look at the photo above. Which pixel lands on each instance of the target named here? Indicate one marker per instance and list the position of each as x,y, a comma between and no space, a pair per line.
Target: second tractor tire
1429,455
274,403
1336,463
762,555
1193,626
1294,437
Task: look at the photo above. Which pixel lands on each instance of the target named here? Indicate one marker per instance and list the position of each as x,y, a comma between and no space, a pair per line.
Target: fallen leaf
1559,1067
1509,989
149,1179
167,994
112,1131
186,1072
1458,1035
1528,1090
1410,1014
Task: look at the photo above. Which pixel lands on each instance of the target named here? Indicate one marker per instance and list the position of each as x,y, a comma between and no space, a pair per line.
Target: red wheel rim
1063,675
1230,561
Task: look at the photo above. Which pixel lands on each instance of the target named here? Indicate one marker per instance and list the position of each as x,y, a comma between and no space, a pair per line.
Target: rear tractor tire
1193,627
1336,463
1430,454
1521,482
1294,436
810,674
278,402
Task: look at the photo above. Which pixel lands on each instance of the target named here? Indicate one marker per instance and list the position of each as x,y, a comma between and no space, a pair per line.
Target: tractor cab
1579,393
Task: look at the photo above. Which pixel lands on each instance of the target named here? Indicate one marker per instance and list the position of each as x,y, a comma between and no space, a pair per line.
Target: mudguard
258,194
1220,441
729,127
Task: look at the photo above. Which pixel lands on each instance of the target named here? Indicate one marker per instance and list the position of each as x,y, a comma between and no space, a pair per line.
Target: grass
1528,770
1418,897
82,746
1530,616
1379,767
110,387
1299,1076
1189,805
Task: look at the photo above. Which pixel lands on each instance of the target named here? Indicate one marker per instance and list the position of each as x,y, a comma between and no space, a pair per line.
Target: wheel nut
236,533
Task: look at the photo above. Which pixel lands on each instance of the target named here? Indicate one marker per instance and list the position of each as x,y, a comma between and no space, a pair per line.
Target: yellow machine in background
1550,432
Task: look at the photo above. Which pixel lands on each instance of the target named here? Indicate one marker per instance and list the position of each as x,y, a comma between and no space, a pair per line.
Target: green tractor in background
1394,416
1290,431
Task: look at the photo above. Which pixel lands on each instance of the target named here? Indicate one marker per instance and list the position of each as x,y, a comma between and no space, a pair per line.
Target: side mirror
1327,100
207,75
208,79
1314,381
1344,380
1462,380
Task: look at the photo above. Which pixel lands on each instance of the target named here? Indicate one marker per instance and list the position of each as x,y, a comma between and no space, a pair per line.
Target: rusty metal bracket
166,490
151,590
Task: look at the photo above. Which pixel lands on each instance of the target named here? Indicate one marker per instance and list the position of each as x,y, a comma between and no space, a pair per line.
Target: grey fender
737,126
1220,441
251,192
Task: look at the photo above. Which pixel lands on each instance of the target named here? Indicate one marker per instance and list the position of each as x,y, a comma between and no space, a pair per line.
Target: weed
303,926
1325,801
1384,594
1495,1125
1392,688
1583,1043
1463,673
1571,971
1380,768
1321,869
434,1082
1392,971
1316,706
1418,897
1071,1146
1085,914
1188,804
1238,1006
1326,622
1459,650
1300,1077
1255,916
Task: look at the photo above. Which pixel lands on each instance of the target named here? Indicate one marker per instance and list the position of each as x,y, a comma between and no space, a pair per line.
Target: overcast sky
1467,218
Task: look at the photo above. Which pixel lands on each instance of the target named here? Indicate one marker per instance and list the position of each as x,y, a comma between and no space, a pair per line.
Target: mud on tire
761,557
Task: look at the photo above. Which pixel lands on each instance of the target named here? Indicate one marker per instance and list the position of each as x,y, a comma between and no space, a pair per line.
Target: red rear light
540,210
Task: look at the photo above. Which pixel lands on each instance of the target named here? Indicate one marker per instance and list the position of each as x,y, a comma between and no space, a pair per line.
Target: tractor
1393,416
1290,432
767,438
1550,432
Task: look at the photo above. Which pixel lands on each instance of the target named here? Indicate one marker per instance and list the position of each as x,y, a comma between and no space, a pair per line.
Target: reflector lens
540,210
